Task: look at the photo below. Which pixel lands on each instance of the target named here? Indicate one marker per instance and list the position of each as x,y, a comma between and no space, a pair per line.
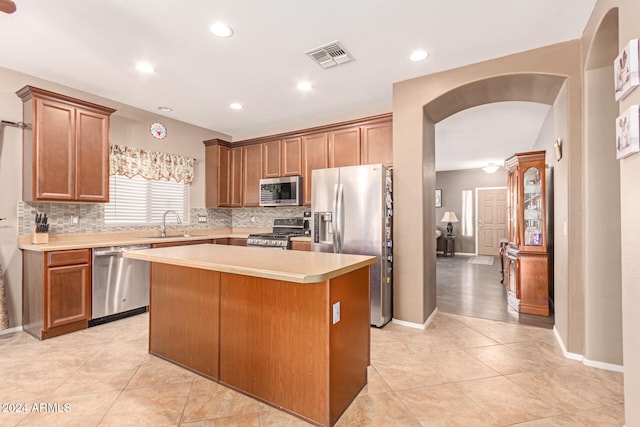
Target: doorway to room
467,287
491,208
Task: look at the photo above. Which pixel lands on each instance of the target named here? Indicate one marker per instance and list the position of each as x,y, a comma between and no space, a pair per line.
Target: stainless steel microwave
283,191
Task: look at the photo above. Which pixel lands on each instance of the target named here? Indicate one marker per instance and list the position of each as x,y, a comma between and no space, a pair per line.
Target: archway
538,75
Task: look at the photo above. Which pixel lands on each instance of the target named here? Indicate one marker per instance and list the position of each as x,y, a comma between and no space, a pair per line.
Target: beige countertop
269,263
58,242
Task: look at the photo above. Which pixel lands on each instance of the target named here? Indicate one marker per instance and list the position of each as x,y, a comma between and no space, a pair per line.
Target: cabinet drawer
70,257
300,246
237,241
183,243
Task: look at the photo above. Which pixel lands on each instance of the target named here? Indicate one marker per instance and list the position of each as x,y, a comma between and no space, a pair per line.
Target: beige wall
452,184
535,75
555,127
129,126
603,289
628,28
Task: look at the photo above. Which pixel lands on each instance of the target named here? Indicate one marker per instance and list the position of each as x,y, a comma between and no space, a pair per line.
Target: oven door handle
108,252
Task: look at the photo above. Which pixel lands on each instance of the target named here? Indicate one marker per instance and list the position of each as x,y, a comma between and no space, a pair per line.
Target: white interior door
492,220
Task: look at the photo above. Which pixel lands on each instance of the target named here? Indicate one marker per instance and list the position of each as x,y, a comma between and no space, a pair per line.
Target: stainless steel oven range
280,237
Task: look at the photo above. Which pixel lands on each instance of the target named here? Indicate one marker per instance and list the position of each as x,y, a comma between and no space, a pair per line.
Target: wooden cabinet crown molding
217,141
28,92
324,128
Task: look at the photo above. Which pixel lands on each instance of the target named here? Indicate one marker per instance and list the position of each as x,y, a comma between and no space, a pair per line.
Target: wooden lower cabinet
181,243
237,241
184,316
274,337
271,339
533,279
233,241
300,246
56,292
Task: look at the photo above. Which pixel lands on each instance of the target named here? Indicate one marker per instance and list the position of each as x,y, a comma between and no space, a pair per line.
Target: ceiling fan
7,6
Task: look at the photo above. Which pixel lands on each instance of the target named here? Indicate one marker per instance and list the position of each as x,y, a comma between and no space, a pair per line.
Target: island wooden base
271,339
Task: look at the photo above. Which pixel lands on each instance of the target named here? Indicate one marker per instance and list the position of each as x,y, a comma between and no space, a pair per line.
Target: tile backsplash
91,217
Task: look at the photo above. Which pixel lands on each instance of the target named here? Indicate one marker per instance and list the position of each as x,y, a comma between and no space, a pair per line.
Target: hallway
475,290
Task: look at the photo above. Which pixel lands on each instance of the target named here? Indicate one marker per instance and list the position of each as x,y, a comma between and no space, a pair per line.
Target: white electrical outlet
202,218
336,312
74,219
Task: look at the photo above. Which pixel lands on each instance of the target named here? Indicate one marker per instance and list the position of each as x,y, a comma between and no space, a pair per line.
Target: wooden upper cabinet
252,156
271,158
224,176
229,176
211,175
291,157
377,144
66,148
92,166
344,147
235,186
315,155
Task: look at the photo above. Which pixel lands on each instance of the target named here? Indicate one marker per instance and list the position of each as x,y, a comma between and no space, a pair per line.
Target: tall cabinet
529,270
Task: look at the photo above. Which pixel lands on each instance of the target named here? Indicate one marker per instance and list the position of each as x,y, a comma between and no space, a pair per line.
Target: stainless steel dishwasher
120,286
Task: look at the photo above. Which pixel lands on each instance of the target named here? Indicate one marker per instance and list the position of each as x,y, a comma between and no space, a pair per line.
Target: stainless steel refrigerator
352,214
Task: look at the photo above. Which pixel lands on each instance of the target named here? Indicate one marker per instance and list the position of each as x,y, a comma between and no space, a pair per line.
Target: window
142,201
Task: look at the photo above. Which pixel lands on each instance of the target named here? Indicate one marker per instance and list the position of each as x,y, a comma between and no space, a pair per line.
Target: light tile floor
461,371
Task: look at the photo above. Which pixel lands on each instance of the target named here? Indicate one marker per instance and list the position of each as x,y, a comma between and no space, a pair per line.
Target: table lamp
449,217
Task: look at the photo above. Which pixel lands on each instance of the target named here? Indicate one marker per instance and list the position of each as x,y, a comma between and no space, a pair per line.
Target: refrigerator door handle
334,222
340,217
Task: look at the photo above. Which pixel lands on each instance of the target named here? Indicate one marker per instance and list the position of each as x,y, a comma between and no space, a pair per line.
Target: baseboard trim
568,355
603,365
457,253
417,325
11,330
584,360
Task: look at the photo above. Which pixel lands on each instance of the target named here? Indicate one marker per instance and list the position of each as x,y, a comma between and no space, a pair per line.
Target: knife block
39,238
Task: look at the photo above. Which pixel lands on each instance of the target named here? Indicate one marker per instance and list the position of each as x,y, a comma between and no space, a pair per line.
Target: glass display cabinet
528,269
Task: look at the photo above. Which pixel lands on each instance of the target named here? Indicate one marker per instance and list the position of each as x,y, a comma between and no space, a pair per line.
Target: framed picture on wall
625,70
438,198
628,132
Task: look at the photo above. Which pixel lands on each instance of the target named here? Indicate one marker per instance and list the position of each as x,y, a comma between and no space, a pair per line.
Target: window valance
129,161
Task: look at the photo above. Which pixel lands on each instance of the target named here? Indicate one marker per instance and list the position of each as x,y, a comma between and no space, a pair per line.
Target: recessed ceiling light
419,55
235,106
221,30
304,86
165,109
145,67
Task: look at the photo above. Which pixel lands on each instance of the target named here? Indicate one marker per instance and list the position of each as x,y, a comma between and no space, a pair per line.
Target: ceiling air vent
330,55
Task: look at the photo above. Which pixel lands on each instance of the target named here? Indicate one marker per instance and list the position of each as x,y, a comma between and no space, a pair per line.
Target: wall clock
158,130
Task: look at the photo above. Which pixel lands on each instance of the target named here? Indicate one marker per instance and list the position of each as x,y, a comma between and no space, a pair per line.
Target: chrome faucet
163,230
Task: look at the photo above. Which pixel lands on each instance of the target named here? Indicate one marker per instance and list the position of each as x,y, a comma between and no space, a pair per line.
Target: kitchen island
290,328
